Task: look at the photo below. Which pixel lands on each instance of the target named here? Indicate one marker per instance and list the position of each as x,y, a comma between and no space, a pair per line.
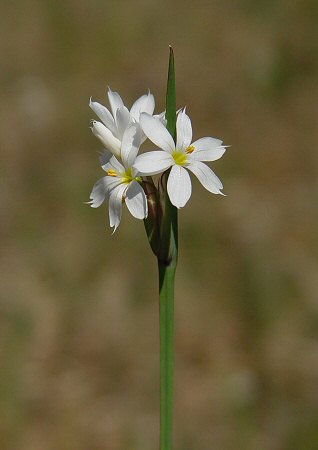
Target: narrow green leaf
169,224
167,263
171,105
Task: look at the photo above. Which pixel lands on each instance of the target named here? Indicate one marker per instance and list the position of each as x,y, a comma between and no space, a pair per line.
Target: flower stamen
190,149
112,173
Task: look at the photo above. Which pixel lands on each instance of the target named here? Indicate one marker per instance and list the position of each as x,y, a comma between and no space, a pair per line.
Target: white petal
105,116
143,137
115,101
115,165
101,190
106,137
161,117
206,176
115,205
98,194
146,103
130,144
207,149
156,132
136,200
179,186
184,131
105,157
123,120
151,163
109,161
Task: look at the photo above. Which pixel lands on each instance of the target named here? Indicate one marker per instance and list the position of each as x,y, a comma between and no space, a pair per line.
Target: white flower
112,128
180,156
122,183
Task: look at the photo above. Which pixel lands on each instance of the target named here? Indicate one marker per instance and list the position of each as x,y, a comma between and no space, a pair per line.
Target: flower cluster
122,132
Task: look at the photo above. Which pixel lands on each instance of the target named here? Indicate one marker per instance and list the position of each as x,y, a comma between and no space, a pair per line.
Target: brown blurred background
79,308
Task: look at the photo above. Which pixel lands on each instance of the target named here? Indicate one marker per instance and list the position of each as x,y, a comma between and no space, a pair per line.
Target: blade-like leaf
171,107
167,262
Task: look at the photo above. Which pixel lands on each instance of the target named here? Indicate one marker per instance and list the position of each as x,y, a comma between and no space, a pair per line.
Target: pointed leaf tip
171,97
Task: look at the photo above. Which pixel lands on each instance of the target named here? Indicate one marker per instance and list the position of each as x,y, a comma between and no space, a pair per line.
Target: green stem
162,231
166,280
167,263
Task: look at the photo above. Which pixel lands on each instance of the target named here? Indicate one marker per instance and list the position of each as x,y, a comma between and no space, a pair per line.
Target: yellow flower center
180,158
127,177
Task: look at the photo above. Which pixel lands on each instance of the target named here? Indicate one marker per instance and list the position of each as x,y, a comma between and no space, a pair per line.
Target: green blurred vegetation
77,302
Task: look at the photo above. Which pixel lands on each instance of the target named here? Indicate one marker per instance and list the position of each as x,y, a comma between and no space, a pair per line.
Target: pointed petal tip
91,204
219,192
181,110
110,91
114,228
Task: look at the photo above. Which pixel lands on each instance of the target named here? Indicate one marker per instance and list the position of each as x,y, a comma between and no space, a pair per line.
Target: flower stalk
161,227
167,263
166,283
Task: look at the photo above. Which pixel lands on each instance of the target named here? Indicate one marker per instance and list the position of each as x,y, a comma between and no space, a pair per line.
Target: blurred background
79,308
